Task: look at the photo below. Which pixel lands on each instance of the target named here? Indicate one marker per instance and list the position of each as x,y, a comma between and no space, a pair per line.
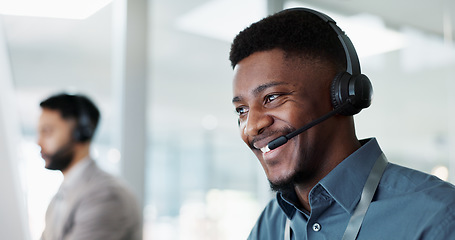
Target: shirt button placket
316,227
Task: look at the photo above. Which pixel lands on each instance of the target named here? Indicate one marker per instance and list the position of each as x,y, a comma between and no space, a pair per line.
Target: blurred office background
160,73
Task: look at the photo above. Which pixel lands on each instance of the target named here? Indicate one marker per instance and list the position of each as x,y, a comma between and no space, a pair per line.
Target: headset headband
352,60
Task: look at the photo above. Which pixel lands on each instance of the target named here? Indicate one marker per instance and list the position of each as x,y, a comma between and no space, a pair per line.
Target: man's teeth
265,149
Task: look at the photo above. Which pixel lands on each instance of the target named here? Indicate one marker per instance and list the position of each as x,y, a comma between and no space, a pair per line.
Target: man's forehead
51,116
50,113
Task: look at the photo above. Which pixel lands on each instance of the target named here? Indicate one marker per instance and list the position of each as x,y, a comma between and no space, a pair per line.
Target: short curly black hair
297,33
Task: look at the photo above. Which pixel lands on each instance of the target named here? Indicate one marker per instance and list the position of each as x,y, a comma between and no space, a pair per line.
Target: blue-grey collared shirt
408,204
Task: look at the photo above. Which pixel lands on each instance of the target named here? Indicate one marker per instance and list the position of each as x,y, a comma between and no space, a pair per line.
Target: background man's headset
84,129
351,91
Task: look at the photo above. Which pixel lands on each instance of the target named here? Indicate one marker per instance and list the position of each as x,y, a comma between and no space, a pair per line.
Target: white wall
12,201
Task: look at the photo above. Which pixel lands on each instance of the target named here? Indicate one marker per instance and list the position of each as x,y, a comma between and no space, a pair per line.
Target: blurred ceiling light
114,155
441,172
69,9
223,20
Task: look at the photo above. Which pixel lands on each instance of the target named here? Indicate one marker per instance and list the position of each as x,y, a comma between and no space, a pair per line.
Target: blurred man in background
90,203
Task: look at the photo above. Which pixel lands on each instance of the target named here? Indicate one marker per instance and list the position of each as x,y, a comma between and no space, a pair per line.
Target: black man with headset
297,84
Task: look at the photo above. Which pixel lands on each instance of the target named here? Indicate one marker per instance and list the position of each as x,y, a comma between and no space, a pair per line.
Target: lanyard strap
367,195
368,191
287,230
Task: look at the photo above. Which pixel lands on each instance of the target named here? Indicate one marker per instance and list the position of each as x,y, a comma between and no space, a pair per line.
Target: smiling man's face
274,96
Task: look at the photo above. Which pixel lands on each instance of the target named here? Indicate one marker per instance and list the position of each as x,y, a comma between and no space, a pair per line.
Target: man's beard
287,186
301,175
62,158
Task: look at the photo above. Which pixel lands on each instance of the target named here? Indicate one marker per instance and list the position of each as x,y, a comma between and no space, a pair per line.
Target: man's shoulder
419,200
403,181
407,178
98,182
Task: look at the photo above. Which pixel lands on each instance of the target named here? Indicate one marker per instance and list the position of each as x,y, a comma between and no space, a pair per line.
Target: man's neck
302,195
81,152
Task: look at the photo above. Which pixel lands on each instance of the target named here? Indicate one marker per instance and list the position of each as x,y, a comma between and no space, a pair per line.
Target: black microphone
284,139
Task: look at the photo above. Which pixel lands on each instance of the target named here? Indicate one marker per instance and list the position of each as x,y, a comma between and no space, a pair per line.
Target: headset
84,127
350,86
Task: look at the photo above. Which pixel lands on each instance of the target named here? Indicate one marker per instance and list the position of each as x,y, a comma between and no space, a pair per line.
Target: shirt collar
287,206
345,182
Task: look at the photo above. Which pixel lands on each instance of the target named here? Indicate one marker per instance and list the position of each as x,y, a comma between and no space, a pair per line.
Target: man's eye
271,97
241,110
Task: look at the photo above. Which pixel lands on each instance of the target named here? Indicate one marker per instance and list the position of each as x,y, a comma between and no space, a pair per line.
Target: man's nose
257,121
39,141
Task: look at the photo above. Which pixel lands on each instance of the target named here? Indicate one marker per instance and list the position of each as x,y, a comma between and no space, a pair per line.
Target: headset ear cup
83,131
356,89
82,134
340,92
363,91
76,134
